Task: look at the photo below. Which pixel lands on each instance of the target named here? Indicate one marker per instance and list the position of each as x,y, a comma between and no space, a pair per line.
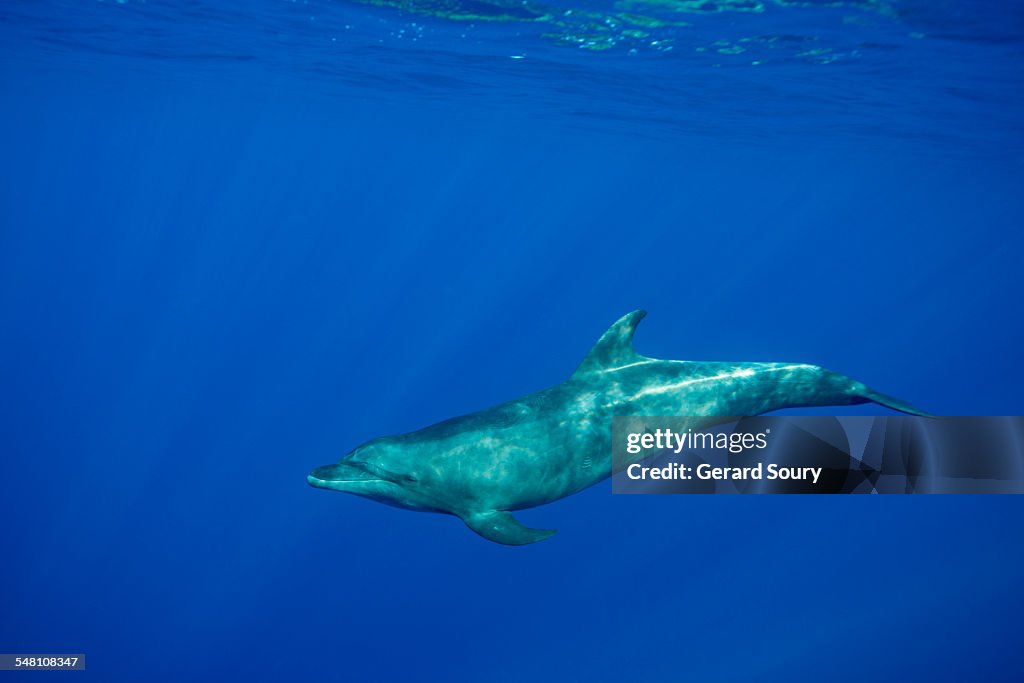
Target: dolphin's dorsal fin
615,347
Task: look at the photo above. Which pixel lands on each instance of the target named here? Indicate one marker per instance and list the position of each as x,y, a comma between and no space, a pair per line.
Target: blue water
239,238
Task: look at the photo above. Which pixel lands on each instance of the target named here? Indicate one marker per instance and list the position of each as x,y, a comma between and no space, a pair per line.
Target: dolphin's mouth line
323,483
339,474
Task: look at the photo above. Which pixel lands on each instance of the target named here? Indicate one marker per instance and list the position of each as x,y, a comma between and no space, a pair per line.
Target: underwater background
237,239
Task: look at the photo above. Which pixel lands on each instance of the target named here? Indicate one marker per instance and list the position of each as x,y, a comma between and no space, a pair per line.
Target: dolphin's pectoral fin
502,527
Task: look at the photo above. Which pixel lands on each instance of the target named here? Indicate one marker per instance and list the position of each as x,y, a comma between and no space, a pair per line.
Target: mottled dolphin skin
553,443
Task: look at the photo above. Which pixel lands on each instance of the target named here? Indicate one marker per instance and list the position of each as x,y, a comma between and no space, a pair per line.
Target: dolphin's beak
340,476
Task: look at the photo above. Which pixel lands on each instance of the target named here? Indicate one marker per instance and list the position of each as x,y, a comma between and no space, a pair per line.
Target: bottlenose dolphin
553,443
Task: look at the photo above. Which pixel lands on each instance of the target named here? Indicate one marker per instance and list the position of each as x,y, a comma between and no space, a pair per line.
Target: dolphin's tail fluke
833,388
870,395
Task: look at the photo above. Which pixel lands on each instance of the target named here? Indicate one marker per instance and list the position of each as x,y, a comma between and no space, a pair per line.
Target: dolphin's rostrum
553,443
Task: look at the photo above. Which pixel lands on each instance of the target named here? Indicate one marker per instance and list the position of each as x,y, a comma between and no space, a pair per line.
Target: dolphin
553,443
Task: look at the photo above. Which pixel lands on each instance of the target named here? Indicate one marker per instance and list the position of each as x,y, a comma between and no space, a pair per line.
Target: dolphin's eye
410,478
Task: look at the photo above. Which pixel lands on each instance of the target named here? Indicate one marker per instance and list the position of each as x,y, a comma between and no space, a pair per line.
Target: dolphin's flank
553,443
